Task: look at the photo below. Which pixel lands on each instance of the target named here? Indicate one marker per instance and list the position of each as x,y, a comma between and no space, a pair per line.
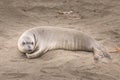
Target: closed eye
23,43
32,43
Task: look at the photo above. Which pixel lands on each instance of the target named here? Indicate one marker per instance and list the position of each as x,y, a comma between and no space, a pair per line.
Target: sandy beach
98,18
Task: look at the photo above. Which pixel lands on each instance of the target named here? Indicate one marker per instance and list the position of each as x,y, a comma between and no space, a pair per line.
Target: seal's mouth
30,51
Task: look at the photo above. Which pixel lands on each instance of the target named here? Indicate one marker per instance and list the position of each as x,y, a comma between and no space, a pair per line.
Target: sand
98,18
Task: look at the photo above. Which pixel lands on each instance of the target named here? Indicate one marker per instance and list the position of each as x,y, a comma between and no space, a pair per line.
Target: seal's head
26,44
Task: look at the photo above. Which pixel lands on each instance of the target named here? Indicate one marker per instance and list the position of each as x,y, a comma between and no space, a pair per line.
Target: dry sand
98,18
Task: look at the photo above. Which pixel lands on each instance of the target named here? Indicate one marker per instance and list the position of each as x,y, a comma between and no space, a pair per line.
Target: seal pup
37,41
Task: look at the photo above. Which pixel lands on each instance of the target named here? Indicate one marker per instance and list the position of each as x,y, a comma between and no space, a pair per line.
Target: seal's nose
29,48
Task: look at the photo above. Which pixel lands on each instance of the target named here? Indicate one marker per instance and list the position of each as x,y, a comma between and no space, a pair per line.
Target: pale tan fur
49,38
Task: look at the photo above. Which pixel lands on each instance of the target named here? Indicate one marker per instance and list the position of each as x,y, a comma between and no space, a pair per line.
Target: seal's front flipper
36,54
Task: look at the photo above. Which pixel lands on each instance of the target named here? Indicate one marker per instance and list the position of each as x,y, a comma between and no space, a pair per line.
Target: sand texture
98,18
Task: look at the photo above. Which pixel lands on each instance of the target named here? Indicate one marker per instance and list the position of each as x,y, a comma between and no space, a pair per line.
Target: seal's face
28,45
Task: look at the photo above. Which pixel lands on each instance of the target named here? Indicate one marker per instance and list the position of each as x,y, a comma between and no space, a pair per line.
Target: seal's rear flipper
99,54
107,55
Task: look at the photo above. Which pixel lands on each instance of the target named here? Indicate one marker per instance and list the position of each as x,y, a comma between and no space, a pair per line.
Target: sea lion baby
37,41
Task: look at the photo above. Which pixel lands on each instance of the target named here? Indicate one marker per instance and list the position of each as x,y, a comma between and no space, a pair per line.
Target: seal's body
43,39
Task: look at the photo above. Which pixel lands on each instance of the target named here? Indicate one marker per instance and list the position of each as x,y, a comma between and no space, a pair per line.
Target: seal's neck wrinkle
35,41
